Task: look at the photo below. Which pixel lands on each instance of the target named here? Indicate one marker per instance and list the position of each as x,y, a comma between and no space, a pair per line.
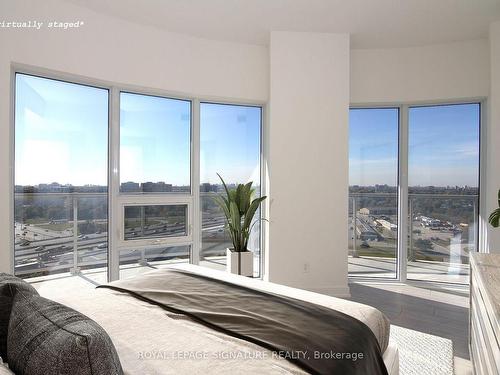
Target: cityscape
46,232
442,229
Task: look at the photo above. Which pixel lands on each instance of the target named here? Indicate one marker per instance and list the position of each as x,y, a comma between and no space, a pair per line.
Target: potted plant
495,215
239,209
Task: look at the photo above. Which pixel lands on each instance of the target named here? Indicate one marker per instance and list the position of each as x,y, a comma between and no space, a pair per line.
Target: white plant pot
245,263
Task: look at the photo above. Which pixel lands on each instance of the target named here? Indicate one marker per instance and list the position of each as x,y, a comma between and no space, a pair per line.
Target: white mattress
150,340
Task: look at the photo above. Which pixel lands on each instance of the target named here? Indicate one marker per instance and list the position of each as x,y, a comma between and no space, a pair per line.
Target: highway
39,248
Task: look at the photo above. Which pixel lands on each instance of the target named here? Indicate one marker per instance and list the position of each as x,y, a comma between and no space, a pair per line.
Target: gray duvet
151,340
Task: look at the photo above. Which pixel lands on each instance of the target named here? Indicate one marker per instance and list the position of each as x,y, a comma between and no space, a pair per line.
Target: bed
152,340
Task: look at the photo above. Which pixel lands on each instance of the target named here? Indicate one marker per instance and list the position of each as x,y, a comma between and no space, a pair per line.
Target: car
102,245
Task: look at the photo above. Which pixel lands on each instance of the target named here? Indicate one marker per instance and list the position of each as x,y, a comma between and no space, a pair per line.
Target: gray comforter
317,339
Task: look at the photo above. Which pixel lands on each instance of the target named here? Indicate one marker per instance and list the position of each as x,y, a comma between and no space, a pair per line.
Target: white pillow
4,368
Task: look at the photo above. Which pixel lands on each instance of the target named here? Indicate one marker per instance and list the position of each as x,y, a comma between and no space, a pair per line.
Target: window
61,159
373,199
67,135
439,216
230,145
154,221
155,198
155,144
443,186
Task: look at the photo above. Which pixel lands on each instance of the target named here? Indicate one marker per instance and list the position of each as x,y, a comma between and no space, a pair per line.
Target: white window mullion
403,193
195,182
114,186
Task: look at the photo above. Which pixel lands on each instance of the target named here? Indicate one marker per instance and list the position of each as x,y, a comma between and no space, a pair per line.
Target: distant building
156,187
387,225
378,211
207,187
130,187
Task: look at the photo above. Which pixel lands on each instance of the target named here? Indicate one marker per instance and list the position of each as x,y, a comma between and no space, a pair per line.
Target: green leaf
225,187
235,222
246,196
494,218
237,197
251,211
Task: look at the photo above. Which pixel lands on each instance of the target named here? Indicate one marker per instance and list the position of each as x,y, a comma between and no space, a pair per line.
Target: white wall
308,81
114,50
309,103
440,73
437,72
493,138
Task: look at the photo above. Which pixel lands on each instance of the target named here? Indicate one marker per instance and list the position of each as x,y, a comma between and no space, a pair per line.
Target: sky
62,136
443,147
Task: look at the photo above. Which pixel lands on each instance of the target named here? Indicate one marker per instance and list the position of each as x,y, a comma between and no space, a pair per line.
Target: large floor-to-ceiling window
443,191
154,200
373,186
61,177
414,191
153,157
230,146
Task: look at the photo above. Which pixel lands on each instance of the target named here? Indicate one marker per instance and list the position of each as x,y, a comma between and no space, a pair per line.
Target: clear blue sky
62,136
61,132
230,143
443,146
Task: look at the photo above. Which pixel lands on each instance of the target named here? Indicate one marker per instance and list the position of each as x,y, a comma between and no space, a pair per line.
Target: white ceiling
371,23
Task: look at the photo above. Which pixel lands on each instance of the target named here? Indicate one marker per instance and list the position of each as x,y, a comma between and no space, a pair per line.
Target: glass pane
230,145
373,199
443,175
155,221
136,261
60,203
155,144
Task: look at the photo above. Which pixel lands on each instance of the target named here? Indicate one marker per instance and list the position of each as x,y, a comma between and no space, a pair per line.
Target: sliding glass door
431,235
61,177
443,191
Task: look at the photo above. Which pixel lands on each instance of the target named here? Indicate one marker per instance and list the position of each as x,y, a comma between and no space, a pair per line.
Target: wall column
308,161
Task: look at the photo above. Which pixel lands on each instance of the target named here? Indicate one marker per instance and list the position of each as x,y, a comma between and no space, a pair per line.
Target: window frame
155,241
403,142
191,126
263,182
397,272
34,72
116,199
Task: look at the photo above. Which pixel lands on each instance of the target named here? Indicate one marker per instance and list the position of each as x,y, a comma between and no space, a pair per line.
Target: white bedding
150,340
